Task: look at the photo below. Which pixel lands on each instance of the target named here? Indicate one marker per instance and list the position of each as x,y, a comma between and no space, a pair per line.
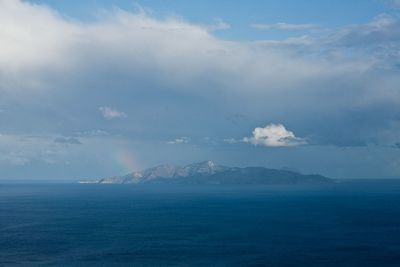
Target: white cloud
111,113
96,132
138,45
274,135
181,140
284,26
230,140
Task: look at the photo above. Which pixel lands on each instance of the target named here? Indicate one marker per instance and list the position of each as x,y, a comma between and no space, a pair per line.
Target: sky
90,89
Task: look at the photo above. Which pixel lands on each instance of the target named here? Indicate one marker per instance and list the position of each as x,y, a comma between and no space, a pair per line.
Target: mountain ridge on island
208,172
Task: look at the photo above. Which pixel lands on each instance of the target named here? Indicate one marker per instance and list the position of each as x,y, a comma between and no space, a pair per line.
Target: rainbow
126,161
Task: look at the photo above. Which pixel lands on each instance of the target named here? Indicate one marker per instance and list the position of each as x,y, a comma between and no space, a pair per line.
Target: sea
346,223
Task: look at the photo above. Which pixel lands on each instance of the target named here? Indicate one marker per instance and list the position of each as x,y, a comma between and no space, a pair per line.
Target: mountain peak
207,167
208,163
208,172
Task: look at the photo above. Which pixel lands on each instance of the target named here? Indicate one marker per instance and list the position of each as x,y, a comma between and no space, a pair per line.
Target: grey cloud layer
169,78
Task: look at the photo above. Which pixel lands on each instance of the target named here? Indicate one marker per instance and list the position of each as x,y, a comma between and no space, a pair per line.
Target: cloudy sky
99,88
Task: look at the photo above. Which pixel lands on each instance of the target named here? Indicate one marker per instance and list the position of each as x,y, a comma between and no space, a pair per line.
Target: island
208,172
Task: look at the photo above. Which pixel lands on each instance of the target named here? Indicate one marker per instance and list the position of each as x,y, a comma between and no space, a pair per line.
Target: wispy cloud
393,3
67,140
111,113
284,26
219,24
230,140
96,132
180,140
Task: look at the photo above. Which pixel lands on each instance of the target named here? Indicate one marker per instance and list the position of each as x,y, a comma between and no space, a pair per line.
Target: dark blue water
353,223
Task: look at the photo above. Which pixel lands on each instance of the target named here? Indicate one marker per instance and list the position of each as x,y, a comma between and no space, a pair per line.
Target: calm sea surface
353,223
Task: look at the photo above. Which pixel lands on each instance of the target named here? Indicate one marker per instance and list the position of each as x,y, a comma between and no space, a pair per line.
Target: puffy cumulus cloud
274,135
180,140
38,43
284,26
111,113
34,38
133,45
136,45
